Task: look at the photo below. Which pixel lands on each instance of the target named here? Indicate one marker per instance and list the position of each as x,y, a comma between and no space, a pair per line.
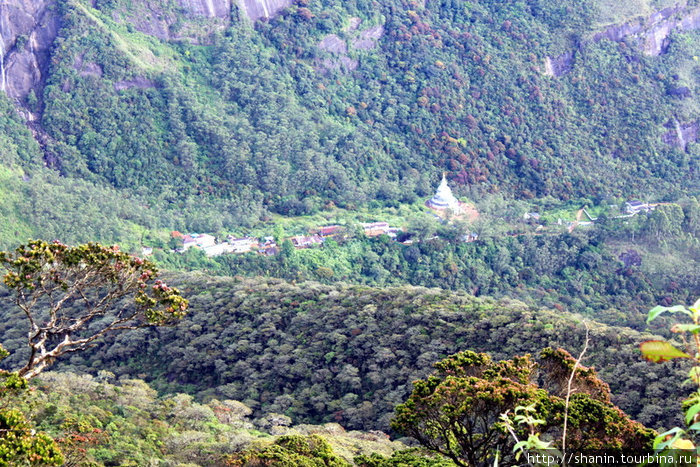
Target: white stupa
443,198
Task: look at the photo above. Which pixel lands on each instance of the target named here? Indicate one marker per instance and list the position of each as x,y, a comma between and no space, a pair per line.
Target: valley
279,162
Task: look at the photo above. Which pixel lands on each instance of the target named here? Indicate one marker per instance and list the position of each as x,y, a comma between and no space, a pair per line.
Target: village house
303,241
218,249
268,247
242,245
375,229
470,237
269,250
635,206
197,240
329,231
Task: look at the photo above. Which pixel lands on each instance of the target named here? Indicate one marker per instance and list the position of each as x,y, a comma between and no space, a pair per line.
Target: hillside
122,121
198,109
348,354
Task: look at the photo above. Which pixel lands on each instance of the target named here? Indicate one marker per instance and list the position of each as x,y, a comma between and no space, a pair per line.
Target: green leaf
661,443
696,306
519,445
657,310
694,328
660,351
695,426
691,412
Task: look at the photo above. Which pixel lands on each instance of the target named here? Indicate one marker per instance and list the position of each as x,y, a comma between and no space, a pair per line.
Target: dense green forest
103,421
348,354
600,272
447,87
213,133
344,112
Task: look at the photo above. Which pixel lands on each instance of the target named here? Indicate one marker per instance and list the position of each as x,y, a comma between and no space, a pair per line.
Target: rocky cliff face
158,18
257,9
27,30
652,33
207,8
680,134
29,27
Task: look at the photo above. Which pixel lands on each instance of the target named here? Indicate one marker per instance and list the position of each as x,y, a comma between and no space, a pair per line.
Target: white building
443,198
198,240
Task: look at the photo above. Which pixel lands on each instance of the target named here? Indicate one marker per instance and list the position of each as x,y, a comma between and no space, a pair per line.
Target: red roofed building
375,229
330,230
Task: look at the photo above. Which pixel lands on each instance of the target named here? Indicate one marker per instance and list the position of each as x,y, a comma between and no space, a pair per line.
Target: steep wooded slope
356,101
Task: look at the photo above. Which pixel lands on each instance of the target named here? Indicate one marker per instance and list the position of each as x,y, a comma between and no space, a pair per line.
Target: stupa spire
443,198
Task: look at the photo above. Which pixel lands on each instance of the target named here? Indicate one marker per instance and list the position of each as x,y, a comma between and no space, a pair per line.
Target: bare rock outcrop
157,18
367,40
87,68
138,82
207,8
336,47
680,134
333,44
262,9
27,30
652,33
557,66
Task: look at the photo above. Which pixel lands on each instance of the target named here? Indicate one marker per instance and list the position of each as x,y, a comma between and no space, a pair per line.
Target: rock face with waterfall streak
257,9
29,27
27,30
208,8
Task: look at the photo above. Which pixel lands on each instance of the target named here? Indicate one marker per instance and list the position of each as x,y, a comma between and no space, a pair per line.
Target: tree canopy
71,296
456,411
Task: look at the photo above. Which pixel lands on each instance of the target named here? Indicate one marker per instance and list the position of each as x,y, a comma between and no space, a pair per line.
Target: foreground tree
458,410
20,444
72,296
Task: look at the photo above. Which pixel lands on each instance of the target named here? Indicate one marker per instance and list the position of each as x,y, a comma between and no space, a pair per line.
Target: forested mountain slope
348,354
356,101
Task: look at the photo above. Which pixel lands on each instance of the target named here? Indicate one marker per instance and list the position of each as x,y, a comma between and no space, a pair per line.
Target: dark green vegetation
62,291
459,410
600,273
203,136
267,113
99,421
20,444
141,136
348,354
147,136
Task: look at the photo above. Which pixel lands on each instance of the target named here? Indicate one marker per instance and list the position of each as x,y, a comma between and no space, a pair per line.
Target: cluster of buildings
442,201
267,245
208,244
